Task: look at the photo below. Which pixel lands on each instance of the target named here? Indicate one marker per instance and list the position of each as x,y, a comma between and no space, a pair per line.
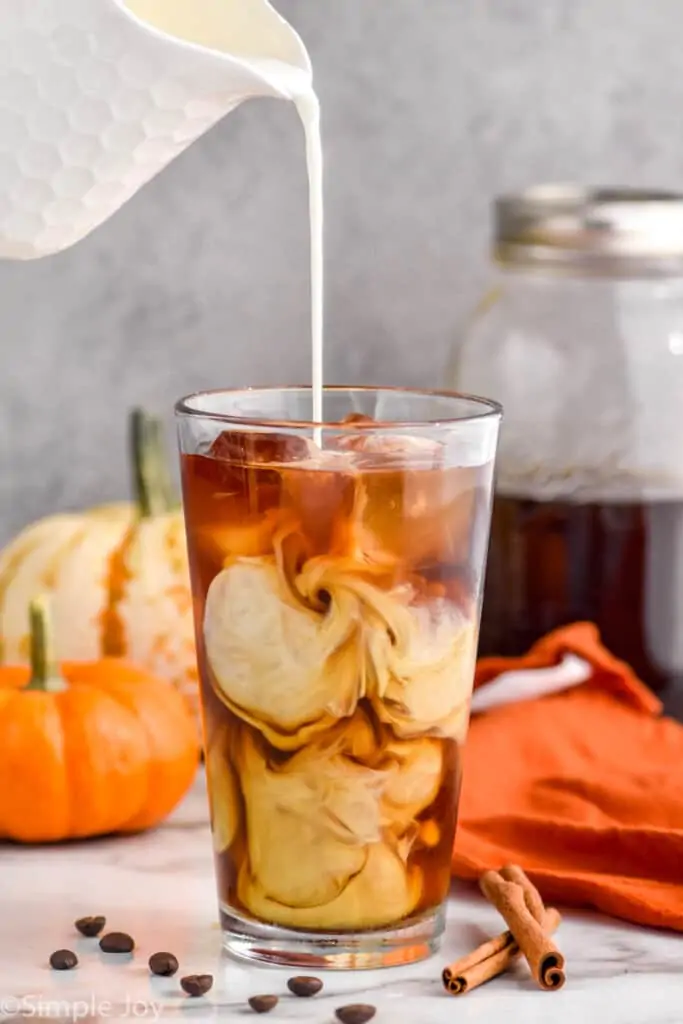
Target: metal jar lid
602,231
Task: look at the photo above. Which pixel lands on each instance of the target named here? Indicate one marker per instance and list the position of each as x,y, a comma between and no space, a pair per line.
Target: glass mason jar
581,340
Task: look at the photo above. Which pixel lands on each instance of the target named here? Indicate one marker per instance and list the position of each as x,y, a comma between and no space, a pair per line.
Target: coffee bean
117,942
63,960
197,984
90,926
355,1013
163,964
304,987
263,1004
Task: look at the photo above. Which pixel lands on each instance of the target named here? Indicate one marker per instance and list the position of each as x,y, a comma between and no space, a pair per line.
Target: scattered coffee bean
90,926
163,964
355,1013
117,942
197,984
304,987
63,960
263,1004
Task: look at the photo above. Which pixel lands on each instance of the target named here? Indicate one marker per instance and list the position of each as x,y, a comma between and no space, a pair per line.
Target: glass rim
488,408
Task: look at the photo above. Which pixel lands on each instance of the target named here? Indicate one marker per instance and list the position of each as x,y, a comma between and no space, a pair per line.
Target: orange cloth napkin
584,789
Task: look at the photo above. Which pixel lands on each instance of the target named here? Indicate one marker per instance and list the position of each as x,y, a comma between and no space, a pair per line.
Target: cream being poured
256,38
309,112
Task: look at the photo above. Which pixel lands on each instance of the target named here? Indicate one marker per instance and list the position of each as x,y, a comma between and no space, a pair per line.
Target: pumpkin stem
45,674
151,480
166,485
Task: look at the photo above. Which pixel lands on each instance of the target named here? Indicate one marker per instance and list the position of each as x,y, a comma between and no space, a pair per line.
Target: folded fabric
583,788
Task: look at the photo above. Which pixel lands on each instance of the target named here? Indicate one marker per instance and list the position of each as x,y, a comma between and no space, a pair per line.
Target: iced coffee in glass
337,576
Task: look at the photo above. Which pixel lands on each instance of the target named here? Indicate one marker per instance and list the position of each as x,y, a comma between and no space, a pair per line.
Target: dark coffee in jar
616,564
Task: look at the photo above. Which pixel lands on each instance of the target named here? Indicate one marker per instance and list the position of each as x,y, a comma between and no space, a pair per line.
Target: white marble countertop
159,887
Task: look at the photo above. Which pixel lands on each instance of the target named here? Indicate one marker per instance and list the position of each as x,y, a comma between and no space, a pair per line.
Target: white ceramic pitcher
97,96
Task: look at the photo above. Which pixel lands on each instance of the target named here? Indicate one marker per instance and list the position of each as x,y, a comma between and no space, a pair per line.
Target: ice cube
247,467
375,450
256,448
357,418
321,499
410,509
218,491
249,537
420,516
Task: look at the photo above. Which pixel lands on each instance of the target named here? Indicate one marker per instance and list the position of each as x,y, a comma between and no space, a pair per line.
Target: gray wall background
430,109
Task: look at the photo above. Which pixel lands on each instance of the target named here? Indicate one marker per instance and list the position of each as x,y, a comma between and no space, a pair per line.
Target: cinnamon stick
532,897
510,899
490,959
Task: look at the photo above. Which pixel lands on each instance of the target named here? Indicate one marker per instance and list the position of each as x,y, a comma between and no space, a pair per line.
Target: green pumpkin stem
163,474
152,487
45,674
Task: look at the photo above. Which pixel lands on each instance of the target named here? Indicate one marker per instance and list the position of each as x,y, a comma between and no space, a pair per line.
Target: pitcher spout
246,34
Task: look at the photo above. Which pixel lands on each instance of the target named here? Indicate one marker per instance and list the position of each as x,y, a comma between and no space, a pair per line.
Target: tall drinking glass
337,576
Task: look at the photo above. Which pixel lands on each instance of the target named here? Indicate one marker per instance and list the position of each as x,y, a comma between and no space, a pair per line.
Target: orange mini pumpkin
88,748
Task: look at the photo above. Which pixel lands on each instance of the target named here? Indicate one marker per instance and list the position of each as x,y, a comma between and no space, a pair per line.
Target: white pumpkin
117,578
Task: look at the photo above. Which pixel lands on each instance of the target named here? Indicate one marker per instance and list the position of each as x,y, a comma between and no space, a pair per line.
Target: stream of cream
251,32
309,112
